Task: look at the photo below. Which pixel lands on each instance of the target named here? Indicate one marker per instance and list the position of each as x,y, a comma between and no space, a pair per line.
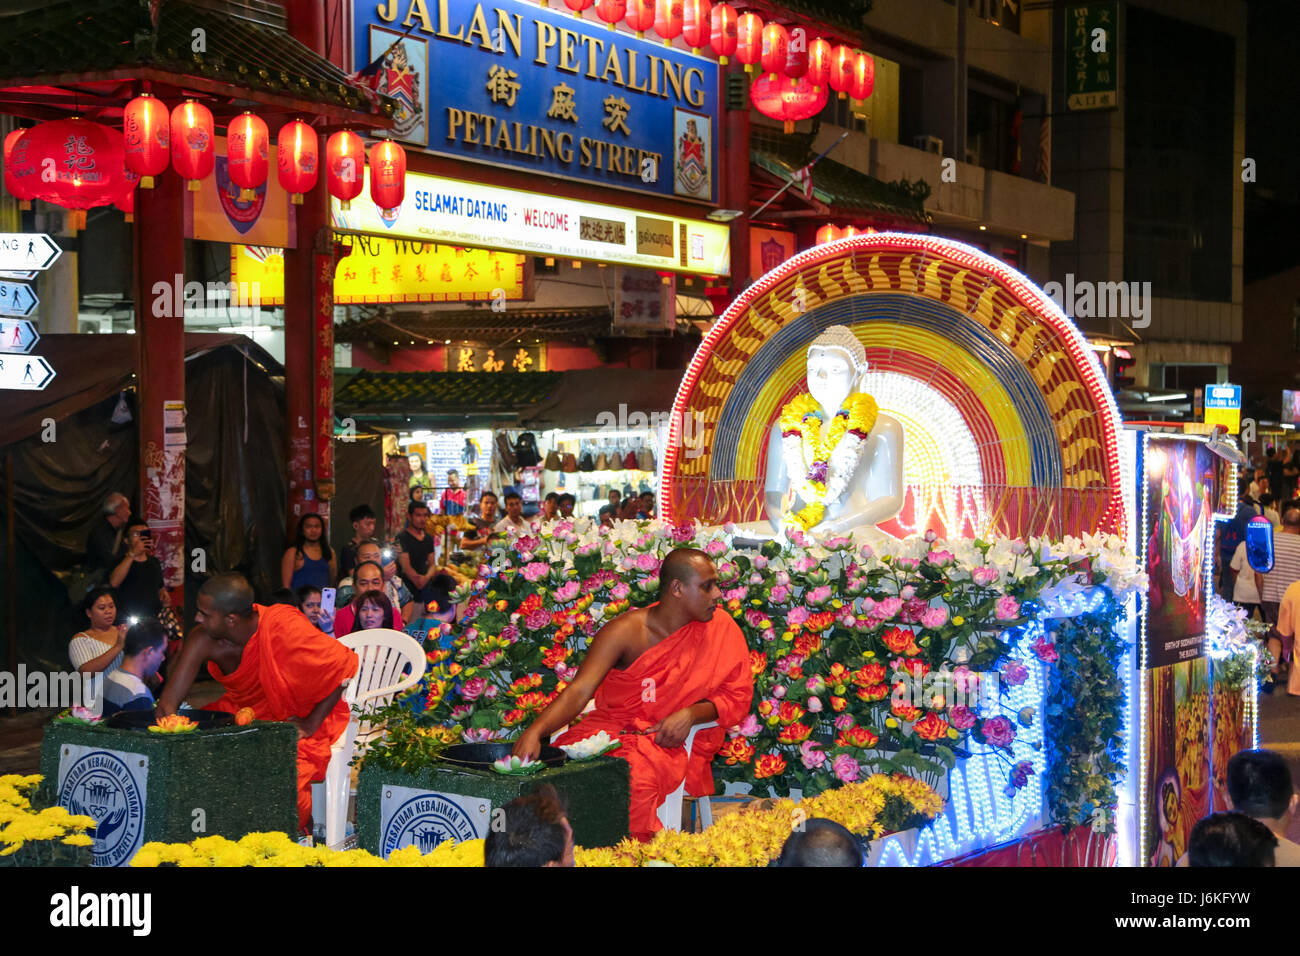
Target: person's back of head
1230,839
1259,784
536,833
143,636
821,843
1291,517
1267,499
230,594
284,596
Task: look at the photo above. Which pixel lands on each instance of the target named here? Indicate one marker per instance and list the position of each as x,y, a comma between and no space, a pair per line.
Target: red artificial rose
873,693
757,662
790,712
838,704
769,765
869,674
905,711
796,733
899,639
806,644
856,737
736,750
931,727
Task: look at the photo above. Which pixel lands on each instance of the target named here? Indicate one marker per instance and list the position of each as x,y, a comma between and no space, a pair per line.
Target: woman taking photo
309,561
98,649
371,609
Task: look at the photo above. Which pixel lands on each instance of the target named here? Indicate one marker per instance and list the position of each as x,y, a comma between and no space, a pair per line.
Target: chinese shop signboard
457,213
515,84
392,270
1092,56
473,357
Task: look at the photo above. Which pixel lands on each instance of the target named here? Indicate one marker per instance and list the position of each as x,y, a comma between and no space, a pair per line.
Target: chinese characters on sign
643,302
467,357
1092,56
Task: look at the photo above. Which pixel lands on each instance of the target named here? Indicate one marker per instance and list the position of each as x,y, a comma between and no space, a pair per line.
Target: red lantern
577,6
749,40
819,62
723,24
297,159
345,160
697,23
827,233
146,129
863,80
80,164
842,70
611,11
640,15
796,58
193,155
21,174
247,154
668,20
387,174
126,201
787,101
775,48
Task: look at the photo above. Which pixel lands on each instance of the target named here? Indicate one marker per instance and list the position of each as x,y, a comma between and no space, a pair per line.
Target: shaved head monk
656,672
273,660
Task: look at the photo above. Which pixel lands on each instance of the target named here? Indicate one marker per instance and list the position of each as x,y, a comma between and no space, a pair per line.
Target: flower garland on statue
820,462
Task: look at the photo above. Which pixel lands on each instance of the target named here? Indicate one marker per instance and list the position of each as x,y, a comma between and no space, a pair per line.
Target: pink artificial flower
535,571
778,691
682,533
782,579
1007,608
1045,650
1019,546
941,559
815,684
805,564
472,688
907,564
715,548
620,591
528,542
814,705
735,594
811,754
538,620
837,542
1014,673
888,608
846,768
961,717
647,562
461,711
913,609
843,721
998,731
477,735
755,578
780,594
567,592
492,658
761,562
984,576
769,635
934,617
566,672
931,536
907,593
750,726
491,692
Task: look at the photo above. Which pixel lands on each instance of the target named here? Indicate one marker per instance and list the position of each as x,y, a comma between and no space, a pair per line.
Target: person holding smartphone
138,577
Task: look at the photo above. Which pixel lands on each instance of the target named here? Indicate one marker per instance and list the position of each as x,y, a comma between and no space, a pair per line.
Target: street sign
29,372
20,276
1223,406
27,250
17,336
16,299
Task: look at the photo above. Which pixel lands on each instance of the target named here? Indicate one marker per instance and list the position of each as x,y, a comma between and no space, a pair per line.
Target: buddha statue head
836,363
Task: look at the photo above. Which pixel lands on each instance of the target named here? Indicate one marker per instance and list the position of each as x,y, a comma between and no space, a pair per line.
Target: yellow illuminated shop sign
453,212
392,270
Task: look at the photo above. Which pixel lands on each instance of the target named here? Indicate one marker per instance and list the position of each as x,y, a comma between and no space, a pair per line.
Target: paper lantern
723,24
796,58
749,40
640,15
775,49
80,165
126,201
387,174
863,79
146,129
577,6
297,159
827,233
697,23
668,20
611,11
193,155
247,151
841,78
819,62
345,160
787,100
21,175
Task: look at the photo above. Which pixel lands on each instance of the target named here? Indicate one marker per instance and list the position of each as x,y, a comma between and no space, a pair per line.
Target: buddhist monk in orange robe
273,660
656,672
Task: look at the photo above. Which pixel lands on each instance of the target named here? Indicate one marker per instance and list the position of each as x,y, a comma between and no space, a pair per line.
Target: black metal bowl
144,719
482,756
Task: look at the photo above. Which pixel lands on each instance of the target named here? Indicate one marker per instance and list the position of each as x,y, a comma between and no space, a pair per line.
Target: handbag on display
629,461
602,463
526,454
506,451
553,462
586,464
570,462
645,460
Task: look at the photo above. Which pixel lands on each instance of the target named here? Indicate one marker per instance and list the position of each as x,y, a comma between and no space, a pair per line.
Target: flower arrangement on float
894,657
41,834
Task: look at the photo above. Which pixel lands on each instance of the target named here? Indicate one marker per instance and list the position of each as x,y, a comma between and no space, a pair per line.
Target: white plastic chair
670,811
383,654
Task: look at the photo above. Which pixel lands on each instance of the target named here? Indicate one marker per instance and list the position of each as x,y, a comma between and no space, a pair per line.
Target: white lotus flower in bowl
592,747
515,765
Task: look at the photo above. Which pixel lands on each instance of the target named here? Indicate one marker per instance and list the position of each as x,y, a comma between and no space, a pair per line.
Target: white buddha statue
834,463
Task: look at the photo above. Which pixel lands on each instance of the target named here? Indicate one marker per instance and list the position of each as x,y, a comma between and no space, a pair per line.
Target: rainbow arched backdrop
1009,425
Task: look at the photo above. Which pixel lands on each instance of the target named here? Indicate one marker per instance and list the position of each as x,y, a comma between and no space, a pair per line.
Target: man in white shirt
1244,592
514,516
125,688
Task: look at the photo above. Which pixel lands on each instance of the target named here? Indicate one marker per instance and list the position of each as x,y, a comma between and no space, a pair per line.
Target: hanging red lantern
577,6
723,24
827,233
697,23
819,62
146,129
80,163
611,11
297,159
749,40
842,70
247,154
796,58
863,80
192,139
775,48
126,201
640,15
668,20
387,174
345,160
21,175
787,100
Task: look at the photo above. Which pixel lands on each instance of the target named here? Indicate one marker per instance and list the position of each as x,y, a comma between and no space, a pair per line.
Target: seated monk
273,660
656,672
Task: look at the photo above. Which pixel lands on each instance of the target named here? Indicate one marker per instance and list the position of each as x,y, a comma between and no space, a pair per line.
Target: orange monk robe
701,661
287,669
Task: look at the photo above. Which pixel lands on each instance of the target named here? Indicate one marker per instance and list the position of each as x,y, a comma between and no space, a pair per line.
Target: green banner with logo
1092,56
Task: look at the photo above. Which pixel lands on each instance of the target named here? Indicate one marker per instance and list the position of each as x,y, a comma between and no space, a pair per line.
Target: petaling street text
526,139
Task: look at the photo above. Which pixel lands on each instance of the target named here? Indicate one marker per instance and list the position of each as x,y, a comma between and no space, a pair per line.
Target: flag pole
790,182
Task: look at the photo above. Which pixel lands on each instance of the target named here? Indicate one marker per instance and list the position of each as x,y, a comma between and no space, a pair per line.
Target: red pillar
160,368
308,335
735,187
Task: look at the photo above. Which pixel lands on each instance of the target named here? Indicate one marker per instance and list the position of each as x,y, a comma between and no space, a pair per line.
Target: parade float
978,608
